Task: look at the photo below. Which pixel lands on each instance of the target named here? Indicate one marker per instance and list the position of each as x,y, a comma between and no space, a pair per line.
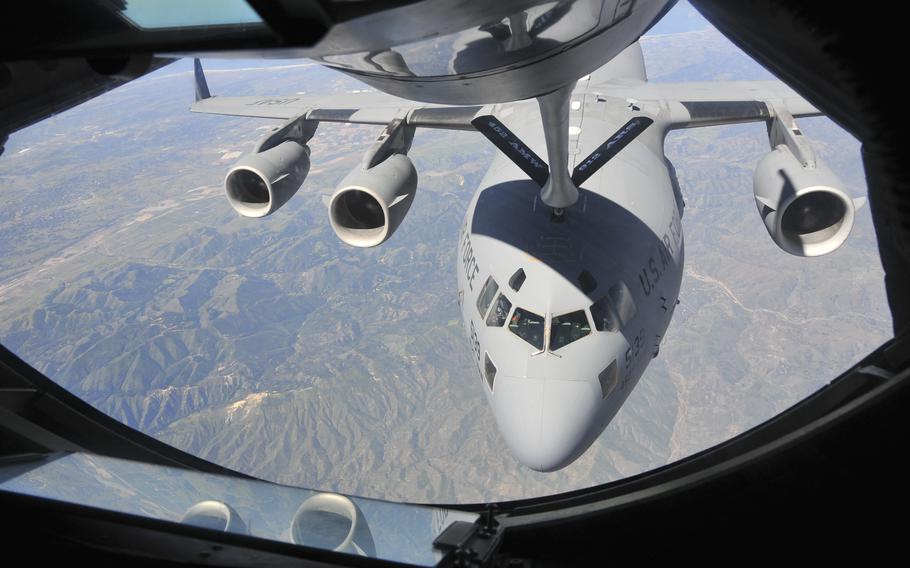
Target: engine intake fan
805,210
258,184
371,203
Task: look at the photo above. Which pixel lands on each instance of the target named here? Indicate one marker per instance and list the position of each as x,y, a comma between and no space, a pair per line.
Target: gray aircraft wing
355,108
365,107
714,103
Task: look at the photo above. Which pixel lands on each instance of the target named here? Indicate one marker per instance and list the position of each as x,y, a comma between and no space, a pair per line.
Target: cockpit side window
517,279
528,326
500,312
602,314
486,296
613,310
567,328
622,300
587,282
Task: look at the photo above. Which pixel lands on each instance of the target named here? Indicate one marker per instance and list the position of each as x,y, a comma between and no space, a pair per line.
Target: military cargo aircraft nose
547,423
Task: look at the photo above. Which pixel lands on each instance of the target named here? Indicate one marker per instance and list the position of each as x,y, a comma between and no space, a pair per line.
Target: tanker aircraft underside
569,267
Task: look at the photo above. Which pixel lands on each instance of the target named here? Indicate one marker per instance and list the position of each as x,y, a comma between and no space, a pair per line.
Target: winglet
202,88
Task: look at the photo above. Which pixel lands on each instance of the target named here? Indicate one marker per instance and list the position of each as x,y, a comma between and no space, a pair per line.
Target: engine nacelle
333,522
214,515
370,204
804,208
259,183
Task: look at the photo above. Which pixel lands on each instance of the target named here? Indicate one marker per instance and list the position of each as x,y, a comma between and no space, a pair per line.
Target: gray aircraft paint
624,230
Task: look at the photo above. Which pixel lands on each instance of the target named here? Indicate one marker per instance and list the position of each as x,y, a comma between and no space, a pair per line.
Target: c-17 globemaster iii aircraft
567,280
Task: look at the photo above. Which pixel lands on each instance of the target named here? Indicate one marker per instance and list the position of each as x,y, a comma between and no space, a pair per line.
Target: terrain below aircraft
567,280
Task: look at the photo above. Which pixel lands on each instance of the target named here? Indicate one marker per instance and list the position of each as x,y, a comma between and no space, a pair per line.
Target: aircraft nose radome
547,424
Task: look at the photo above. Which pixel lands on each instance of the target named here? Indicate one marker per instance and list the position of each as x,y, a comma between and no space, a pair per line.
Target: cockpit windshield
567,328
528,326
500,312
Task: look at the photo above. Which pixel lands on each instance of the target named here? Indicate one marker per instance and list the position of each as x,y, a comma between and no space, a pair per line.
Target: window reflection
528,326
567,328
500,312
486,296
215,515
332,522
237,505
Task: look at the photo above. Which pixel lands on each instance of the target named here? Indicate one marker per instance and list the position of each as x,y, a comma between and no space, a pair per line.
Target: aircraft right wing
354,108
374,197
365,107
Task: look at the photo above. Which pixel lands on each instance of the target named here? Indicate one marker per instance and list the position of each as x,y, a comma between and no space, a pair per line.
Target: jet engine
370,203
214,515
804,208
333,522
261,182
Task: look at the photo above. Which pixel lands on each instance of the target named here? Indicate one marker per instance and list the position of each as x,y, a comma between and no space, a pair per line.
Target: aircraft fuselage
583,299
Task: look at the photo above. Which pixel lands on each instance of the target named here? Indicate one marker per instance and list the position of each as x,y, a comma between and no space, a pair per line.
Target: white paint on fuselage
549,406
